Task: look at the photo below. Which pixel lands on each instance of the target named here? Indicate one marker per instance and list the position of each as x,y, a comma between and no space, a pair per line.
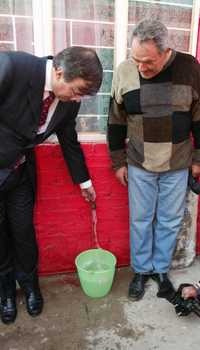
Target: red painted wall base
198,220
63,218
198,232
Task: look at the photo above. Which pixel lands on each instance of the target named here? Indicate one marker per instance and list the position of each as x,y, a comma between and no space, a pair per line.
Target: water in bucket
96,268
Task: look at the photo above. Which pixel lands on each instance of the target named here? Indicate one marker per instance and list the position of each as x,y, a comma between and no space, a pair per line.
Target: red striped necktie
45,108
43,117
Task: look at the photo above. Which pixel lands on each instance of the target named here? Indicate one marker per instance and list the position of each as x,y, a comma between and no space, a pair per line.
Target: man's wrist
86,184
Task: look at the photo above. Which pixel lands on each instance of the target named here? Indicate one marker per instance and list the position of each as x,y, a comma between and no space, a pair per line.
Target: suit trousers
18,246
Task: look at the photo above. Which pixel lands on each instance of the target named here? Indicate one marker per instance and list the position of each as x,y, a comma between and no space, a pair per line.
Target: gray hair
81,62
152,30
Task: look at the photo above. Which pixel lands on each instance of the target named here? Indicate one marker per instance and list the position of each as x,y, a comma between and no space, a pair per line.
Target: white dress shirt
42,128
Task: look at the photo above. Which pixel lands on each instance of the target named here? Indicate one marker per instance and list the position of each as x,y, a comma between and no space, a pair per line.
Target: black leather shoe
8,310
136,286
29,283
34,302
165,287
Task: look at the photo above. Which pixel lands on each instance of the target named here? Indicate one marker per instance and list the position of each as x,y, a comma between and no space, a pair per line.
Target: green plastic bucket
96,269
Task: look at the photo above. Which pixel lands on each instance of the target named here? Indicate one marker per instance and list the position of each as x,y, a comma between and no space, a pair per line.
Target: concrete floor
73,321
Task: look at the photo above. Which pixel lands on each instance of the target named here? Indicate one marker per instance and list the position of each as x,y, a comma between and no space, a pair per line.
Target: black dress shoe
8,310
29,283
34,302
136,286
165,287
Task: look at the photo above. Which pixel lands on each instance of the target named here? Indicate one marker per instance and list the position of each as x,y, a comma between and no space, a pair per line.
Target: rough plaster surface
186,241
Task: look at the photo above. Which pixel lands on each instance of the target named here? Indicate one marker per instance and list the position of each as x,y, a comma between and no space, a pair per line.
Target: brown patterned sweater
158,116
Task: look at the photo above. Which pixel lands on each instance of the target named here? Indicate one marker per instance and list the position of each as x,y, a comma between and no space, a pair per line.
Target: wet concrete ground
73,321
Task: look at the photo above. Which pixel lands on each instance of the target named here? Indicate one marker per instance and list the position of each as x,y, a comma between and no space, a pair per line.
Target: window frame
43,35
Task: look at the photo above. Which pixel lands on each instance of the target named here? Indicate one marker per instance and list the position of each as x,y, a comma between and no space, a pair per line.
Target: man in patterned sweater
155,103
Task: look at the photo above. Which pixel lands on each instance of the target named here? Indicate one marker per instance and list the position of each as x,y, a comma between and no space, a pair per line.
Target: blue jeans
156,204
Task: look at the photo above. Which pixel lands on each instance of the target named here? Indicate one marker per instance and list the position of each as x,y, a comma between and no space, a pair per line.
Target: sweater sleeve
196,131
196,114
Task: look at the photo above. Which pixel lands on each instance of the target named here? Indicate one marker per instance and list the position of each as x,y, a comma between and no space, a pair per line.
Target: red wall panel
198,232
63,218
198,219
198,44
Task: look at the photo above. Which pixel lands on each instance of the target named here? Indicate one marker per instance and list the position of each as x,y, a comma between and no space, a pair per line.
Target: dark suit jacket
22,80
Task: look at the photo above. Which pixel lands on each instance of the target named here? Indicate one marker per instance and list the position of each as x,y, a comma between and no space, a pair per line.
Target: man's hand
189,292
89,194
122,175
195,170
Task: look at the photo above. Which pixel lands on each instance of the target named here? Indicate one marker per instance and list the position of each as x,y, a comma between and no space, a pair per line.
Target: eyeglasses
81,90
76,92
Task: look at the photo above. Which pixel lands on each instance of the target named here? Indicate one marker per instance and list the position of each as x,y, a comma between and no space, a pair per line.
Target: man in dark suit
38,97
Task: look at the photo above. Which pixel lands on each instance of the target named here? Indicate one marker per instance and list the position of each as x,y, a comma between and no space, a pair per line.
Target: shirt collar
170,60
48,81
